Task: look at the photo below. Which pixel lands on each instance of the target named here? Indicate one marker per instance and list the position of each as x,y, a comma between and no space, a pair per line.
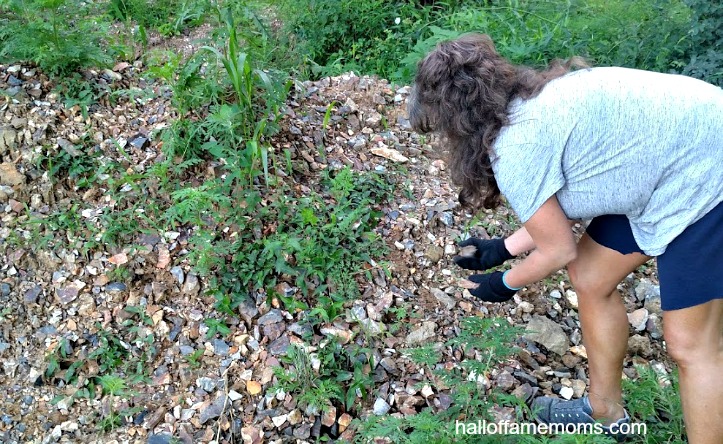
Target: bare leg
694,338
595,274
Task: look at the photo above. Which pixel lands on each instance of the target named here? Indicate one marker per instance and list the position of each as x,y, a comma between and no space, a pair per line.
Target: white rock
571,298
567,392
381,407
233,395
279,420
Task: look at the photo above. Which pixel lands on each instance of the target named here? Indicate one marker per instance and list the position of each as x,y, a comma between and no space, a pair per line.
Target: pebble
381,407
233,395
159,439
31,296
177,273
447,218
207,384
5,289
116,287
272,317
434,253
567,392
638,319
214,410
571,297
578,388
446,300
639,345
220,347
422,334
192,285
548,333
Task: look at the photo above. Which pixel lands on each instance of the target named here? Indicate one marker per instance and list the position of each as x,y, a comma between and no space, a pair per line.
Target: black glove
491,287
482,254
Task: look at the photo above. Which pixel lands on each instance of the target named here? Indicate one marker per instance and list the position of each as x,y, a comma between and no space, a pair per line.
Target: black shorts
691,268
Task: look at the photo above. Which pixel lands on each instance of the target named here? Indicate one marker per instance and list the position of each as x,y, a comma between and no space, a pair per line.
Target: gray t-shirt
617,141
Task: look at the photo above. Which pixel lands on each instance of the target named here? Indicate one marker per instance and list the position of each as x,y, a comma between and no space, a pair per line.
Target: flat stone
328,418
303,431
213,410
248,310
159,439
645,290
220,347
279,420
207,384
69,293
7,139
177,273
381,407
505,380
547,333
447,218
434,253
302,330
116,287
192,285
279,346
272,317
639,345
422,334
638,319
31,296
525,392
446,300
9,175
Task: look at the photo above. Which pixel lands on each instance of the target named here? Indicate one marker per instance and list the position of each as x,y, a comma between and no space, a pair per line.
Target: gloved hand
491,287
482,254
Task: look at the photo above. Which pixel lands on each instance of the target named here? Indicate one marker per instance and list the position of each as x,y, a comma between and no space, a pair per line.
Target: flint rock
548,333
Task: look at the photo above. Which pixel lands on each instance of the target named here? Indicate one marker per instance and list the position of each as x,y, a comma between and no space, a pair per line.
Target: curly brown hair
462,90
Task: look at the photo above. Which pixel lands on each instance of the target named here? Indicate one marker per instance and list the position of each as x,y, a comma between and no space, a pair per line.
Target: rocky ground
56,296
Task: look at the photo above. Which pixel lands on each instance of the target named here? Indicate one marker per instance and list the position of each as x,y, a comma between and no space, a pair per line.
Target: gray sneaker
579,411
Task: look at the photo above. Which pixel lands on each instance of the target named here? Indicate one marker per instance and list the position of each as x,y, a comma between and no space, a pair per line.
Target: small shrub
704,57
168,16
60,36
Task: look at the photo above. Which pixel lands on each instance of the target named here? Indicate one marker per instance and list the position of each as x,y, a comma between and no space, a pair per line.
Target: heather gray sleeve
527,184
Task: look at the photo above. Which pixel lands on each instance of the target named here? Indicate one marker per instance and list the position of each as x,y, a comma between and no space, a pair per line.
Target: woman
639,153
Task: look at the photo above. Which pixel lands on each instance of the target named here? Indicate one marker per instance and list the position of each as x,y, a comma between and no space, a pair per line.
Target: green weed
59,35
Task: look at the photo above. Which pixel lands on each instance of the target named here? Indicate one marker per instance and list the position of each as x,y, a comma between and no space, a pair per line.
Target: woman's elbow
567,255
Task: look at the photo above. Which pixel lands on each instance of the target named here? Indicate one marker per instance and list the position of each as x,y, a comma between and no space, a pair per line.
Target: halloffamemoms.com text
482,427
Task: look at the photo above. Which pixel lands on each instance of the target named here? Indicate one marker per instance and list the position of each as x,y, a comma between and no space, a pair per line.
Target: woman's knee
689,346
586,281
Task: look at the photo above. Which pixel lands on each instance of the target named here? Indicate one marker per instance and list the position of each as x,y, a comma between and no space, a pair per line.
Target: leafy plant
704,58
341,376
59,35
492,339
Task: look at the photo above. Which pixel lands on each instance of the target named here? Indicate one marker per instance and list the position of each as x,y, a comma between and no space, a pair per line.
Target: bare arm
548,232
521,242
